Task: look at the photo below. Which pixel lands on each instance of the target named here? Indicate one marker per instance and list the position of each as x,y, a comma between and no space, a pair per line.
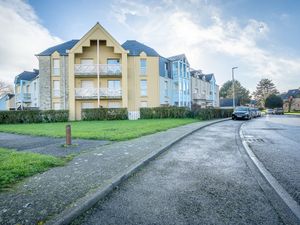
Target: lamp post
233,91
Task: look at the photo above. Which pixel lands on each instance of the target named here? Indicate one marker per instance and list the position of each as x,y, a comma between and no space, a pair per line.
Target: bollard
68,135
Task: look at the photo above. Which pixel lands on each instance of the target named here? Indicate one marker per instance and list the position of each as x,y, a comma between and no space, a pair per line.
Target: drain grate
255,140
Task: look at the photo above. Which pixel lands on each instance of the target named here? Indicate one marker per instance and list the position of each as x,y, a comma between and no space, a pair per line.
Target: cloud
210,42
22,36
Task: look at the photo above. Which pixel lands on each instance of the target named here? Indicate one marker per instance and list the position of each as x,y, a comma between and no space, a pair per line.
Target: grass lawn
115,130
17,165
292,113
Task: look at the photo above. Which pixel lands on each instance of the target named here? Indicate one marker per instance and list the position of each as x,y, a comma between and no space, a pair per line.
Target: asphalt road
200,180
275,140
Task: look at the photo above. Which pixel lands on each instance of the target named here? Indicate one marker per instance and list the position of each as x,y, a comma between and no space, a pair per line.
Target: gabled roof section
97,32
179,57
135,48
208,77
61,48
26,75
295,93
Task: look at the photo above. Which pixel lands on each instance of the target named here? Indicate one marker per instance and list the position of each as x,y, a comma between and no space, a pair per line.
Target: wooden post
68,135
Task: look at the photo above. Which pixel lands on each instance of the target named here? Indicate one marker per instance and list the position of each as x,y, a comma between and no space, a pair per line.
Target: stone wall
64,82
45,82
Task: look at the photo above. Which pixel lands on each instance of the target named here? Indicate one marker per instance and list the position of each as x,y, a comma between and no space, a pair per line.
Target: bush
34,116
105,114
164,112
182,112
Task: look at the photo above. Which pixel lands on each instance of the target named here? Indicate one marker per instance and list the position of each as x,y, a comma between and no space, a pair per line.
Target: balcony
104,69
92,93
199,96
23,97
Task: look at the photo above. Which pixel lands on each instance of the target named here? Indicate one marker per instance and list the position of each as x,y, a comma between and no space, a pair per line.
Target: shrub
164,112
105,114
34,116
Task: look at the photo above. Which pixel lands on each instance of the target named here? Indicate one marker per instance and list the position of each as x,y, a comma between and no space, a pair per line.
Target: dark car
242,113
278,111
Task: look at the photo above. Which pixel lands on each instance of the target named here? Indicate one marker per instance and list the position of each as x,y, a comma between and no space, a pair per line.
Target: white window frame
143,68
56,90
56,67
143,91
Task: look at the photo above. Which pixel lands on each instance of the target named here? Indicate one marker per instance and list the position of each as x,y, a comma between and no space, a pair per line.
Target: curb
87,202
291,207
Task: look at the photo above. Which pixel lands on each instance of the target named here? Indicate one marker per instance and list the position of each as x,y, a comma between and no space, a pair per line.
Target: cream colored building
96,71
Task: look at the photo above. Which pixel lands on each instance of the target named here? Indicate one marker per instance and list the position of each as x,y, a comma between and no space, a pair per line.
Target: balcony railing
93,93
199,96
104,69
23,97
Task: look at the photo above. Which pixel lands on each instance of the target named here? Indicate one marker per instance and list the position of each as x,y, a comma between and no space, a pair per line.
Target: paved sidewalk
45,195
47,145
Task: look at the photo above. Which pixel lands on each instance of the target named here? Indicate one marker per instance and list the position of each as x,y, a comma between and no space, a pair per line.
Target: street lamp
233,93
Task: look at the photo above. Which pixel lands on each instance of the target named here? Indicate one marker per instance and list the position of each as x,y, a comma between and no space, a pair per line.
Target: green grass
14,166
116,130
292,113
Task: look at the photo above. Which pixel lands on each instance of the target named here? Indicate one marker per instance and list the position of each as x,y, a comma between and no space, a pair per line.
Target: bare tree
5,88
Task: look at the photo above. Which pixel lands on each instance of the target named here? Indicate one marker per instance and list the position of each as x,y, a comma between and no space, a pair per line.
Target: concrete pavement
57,194
203,179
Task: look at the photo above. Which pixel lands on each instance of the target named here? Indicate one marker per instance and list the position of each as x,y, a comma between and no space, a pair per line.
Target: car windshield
241,109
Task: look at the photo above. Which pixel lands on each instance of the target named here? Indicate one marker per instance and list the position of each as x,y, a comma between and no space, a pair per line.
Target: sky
260,37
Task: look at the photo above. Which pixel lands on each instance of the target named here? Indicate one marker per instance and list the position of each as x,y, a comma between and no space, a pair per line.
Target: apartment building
27,90
96,71
205,91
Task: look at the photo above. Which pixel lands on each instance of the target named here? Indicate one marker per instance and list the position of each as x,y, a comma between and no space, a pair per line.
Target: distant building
7,102
291,100
205,91
27,90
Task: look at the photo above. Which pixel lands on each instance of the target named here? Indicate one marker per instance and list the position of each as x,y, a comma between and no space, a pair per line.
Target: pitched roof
177,57
26,75
208,77
135,48
61,48
295,93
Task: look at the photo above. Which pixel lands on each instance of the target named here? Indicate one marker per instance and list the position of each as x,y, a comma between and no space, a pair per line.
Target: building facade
291,100
27,90
96,71
205,91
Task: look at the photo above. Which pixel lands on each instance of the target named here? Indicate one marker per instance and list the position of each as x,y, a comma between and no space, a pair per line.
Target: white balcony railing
104,69
199,96
93,92
23,97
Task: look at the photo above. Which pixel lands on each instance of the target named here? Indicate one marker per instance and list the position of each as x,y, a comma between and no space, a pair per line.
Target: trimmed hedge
34,116
105,114
164,112
183,112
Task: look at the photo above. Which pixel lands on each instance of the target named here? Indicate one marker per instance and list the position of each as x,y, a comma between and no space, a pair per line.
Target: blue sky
260,37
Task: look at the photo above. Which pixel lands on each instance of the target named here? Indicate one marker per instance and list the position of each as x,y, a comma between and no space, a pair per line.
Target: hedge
34,116
164,112
183,112
105,114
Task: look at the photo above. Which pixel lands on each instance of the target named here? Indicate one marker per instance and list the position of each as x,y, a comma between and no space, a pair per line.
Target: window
56,67
114,84
113,61
143,84
56,88
27,88
56,106
114,105
34,86
86,61
143,67
144,104
166,88
87,105
166,69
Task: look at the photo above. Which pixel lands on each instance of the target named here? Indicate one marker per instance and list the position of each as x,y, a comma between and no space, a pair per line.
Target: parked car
269,111
278,111
258,113
253,112
242,112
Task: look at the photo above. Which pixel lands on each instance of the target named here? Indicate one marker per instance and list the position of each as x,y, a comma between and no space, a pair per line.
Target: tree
5,88
273,101
264,89
241,93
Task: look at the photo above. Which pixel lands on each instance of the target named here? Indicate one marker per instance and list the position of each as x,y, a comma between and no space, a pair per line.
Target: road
203,179
275,140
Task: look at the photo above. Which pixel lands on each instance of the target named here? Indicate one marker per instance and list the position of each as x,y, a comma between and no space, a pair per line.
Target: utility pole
233,91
